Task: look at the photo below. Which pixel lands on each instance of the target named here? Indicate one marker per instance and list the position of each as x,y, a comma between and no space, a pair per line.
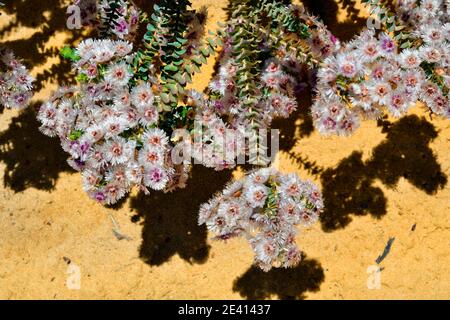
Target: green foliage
75,134
286,17
69,53
170,57
271,206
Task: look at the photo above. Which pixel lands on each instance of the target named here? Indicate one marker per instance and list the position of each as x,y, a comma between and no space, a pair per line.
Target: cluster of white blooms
420,14
265,207
215,145
372,73
276,92
321,42
108,127
257,80
15,81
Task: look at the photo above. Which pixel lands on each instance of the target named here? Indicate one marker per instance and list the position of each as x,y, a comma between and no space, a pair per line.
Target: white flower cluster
216,146
109,130
276,92
15,81
264,207
372,73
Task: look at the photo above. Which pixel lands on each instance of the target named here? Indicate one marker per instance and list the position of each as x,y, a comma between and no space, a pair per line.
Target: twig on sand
116,230
386,250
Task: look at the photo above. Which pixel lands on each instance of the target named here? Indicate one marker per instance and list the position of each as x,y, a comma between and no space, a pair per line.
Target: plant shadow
31,159
170,219
327,11
291,283
48,18
405,153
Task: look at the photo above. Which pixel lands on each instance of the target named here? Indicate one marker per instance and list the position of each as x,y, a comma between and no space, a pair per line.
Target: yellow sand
48,225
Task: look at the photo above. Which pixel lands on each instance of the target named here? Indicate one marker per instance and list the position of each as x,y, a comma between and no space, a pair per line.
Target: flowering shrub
116,123
407,62
260,62
131,120
264,207
15,81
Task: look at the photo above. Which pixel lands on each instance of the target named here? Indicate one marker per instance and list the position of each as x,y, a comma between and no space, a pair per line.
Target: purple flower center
388,45
156,175
100,196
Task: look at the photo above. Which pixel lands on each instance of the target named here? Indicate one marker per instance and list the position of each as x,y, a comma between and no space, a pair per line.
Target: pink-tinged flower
398,104
113,193
348,66
348,125
102,51
370,51
380,91
91,178
118,74
122,48
433,34
100,196
429,90
388,45
118,150
256,195
155,138
121,27
85,49
91,71
293,257
148,116
134,173
430,54
149,156
142,96
409,59
273,67
114,126
156,177
271,80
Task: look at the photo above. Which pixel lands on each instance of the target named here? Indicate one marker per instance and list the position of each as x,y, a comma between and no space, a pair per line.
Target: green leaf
406,44
171,67
180,79
205,52
165,98
75,134
175,44
172,87
82,77
188,68
211,42
155,17
180,52
69,53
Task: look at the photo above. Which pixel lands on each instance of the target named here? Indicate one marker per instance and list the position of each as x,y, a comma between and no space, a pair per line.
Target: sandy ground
388,180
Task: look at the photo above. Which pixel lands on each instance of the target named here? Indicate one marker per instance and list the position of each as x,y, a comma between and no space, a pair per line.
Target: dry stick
116,230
